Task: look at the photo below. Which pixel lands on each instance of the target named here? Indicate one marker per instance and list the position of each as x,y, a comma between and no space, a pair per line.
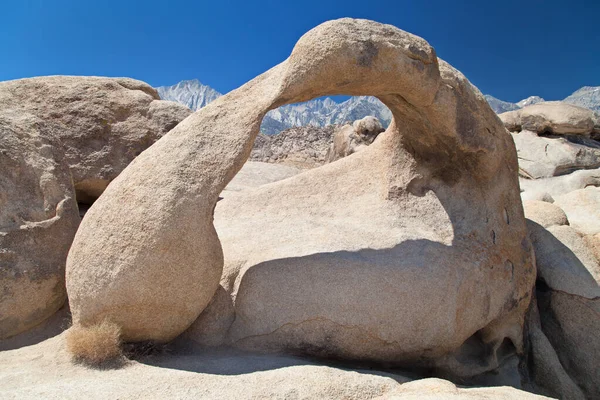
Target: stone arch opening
444,138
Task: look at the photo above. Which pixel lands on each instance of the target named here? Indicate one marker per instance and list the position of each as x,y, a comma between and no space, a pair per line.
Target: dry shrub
96,345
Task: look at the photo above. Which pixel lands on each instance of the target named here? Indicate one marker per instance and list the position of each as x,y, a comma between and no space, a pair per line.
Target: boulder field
554,138
433,248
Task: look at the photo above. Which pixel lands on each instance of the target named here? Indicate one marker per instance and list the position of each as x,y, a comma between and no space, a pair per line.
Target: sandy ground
39,367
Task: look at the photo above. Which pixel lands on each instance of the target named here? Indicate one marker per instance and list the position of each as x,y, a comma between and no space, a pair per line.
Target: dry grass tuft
97,345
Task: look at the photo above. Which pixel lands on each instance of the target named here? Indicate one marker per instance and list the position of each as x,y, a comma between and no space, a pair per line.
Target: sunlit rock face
412,251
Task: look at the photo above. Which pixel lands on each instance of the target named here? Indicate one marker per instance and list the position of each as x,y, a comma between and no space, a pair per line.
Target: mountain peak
530,100
191,93
587,96
325,111
500,106
317,112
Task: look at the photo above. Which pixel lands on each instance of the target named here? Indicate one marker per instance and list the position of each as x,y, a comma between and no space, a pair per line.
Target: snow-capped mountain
325,111
191,93
529,101
500,106
587,96
317,112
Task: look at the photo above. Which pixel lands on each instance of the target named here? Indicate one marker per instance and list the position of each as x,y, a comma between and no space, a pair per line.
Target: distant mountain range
190,93
587,96
325,111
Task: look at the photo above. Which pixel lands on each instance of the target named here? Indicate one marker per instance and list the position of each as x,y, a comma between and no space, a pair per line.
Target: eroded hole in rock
474,351
87,192
506,217
548,133
506,350
417,187
541,286
319,131
509,267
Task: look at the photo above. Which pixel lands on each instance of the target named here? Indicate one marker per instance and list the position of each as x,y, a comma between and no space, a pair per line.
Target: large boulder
553,138
569,301
38,219
536,189
582,208
552,117
103,123
565,261
546,373
544,213
387,255
544,157
353,138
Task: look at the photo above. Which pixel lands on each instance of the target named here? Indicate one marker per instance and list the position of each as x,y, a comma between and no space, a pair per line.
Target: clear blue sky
509,49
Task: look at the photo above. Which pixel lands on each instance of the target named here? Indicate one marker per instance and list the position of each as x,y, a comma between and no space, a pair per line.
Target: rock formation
544,213
310,146
569,303
361,293
552,117
38,219
353,138
254,174
583,209
554,138
303,147
414,252
62,136
46,371
558,185
103,123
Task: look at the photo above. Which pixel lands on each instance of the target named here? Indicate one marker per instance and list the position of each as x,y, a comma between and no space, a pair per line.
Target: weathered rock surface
38,219
297,255
546,372
430,389
46,371
397,208
569,301
303,147
554,138
582,208
511,120
537,196
593,242
103,123
353,138
551,117
571,323
564,260
544,213
544,157
254,174
558,185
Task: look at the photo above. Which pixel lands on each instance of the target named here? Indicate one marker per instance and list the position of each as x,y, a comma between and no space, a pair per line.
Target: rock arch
147,255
